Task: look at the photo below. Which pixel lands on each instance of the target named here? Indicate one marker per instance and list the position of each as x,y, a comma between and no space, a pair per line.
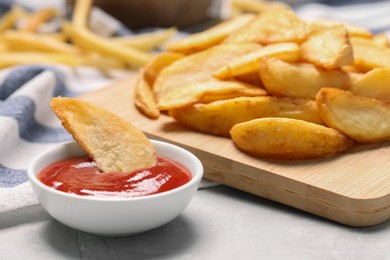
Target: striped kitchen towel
27,124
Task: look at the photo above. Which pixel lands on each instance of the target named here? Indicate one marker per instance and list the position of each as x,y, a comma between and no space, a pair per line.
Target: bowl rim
196,176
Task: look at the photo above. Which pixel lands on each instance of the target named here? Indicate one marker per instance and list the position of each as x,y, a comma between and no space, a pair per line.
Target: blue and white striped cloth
28,126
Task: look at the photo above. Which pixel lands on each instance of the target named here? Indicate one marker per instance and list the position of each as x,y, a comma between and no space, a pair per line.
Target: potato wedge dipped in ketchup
121,160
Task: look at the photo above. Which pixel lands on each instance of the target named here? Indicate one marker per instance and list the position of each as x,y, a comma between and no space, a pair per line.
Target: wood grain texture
352,188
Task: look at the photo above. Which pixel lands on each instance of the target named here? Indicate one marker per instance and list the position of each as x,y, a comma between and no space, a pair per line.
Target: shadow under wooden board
352,188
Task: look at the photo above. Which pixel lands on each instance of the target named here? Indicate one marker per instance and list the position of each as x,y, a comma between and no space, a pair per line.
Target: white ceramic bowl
115,216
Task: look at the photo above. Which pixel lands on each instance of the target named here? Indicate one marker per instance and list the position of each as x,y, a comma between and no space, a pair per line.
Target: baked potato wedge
249,63
374,84
285,138
301,80
220,116
328,47
193,93
143,98
198,67
273,26
369,54
112,142
363,119
162,60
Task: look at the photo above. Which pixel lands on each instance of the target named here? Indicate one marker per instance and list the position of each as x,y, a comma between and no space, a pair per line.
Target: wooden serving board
352,188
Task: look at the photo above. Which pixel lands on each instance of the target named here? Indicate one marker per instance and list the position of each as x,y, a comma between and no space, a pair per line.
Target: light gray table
220,223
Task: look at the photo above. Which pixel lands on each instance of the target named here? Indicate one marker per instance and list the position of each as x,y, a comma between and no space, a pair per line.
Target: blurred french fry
363,119
198,67
253,6
353,29
369,55
302,80
17,58
213,36
286,138
193,93
220,116
143,98
11,17
59,36
90,41
273,26
328,47
27,41
80,13
374,84
32,22
249,63
147,41
162,60
84,38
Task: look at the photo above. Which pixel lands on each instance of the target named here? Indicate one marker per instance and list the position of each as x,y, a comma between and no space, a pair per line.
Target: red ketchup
81,176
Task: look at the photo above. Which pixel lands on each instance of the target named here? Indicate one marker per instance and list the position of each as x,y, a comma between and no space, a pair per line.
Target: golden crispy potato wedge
251,78
249,63
143,98
375,84
285,138
350,68
212,97
112,142
198,67
328,47
158,63
220,116
196,92
302,80
273,26
369,55
353,29
213,36
363,119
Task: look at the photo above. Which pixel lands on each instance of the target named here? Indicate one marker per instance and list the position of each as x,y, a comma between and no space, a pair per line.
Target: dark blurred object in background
137,14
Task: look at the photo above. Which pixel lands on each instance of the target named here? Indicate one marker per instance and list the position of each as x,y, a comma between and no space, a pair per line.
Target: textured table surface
220,223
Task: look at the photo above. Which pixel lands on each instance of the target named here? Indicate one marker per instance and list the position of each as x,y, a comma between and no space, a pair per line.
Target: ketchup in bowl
81,176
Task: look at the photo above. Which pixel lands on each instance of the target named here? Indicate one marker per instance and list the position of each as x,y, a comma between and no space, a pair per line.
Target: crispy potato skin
112,142
273,26
143,98
366,120
198,67
374,84
328,47
220,116
283,138
302,80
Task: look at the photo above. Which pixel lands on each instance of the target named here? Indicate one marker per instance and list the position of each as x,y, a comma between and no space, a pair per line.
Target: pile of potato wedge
277,85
